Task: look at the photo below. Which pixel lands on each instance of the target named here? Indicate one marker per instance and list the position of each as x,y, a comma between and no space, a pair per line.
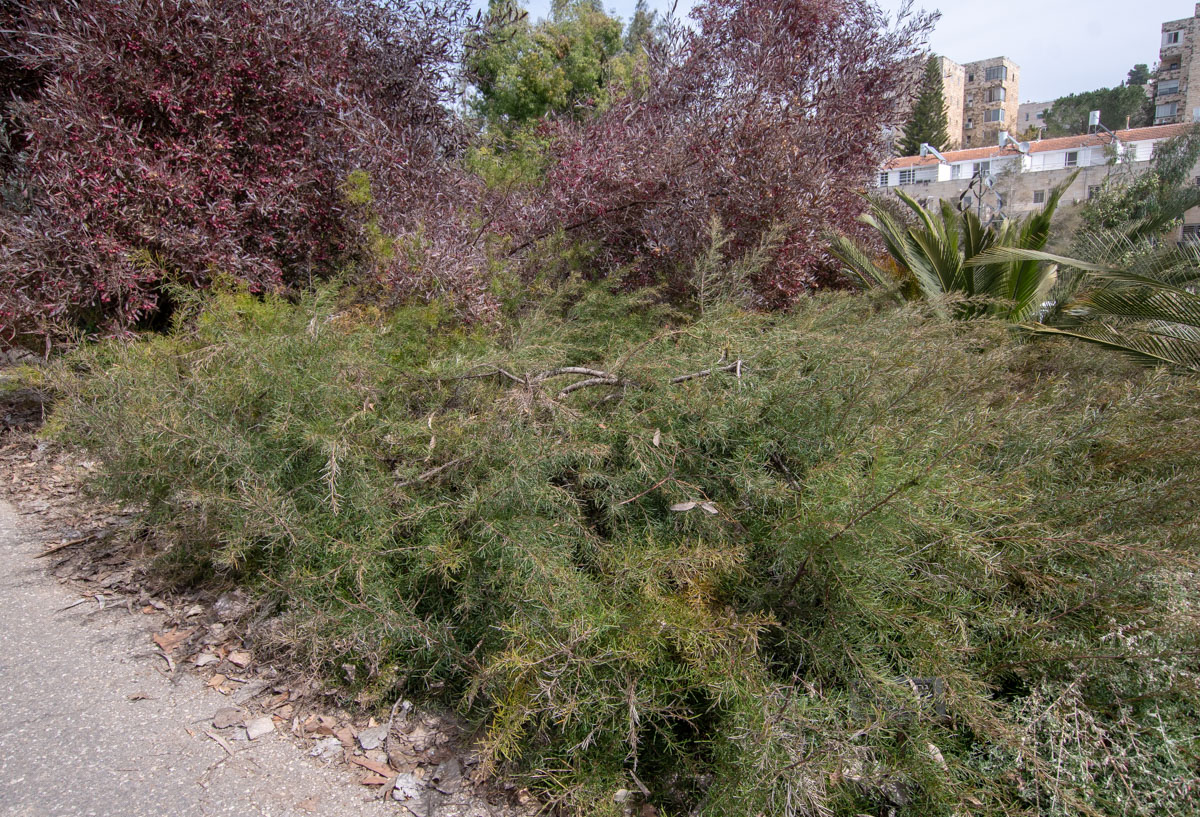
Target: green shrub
870,564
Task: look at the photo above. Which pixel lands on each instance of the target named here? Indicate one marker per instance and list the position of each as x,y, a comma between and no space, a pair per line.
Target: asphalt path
90,726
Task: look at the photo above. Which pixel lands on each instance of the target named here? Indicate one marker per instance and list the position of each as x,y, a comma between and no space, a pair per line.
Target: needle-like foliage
837,561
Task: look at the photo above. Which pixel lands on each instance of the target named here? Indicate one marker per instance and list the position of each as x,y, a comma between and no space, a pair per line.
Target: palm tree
1135,294
1139,298
954,253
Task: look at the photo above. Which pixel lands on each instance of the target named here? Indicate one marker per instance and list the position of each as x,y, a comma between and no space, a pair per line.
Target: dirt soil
120,696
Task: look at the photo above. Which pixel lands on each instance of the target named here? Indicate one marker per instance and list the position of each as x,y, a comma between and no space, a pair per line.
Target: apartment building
1023,176
981,99
1176,96
1031,119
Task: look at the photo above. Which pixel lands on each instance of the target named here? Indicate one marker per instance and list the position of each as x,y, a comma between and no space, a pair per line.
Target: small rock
408,787
327,749
378,756
228,717
622,795
447,777
259,727
370,739
240,659
250,691
193,611
205,658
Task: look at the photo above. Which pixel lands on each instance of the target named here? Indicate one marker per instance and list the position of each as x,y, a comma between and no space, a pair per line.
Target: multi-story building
1176,96
981,100
1031,119
954,90
1022,176
990,100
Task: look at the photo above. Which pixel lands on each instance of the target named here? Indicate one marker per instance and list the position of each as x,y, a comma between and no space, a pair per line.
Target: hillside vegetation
836,561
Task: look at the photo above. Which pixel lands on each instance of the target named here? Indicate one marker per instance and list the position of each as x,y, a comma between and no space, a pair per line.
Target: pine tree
927,122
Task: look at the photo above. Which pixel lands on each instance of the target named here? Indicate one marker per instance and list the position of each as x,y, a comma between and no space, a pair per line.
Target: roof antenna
927,149
1006,137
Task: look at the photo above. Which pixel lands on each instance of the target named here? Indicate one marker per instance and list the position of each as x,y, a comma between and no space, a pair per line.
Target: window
1172,37
883,180
1072,159
1173,66
1167,86
981,169
970,77
995,95
1197,181
1039,196
908,176
1191,234
1000,72
970,124
1093,191
994,116
970,99
1041,114
1166,111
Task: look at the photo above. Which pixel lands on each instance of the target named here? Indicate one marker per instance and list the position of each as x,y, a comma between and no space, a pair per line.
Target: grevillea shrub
187,139
767,112
887,565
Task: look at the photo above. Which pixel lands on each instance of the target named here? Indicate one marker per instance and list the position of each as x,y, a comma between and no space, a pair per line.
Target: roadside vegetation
836,561
498,359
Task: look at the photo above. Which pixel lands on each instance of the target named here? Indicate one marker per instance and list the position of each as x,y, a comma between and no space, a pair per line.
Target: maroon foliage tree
188,139
767,112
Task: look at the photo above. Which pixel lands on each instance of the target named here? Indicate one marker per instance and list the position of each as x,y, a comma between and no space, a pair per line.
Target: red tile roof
1041,146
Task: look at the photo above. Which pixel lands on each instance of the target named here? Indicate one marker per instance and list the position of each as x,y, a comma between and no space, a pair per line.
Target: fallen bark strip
736,366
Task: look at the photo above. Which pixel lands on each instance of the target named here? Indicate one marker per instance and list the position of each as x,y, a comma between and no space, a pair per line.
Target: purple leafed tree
191,139
765,112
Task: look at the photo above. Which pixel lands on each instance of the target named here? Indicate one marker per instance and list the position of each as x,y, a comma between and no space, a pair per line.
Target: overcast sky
1062,46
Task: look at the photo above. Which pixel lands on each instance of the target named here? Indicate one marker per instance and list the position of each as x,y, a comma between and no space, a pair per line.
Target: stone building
1176,96
954,90
1022,178
990,101
1031,120
981,100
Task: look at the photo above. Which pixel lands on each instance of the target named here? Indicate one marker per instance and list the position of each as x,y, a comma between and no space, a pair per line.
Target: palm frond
1143,346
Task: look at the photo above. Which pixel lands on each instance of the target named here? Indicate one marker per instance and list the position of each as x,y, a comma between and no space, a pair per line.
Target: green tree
927,122
563,65
1138,75
1125,103
641,27
1152,202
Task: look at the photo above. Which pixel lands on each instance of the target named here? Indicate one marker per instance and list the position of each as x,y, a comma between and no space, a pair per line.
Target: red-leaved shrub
188,139
766,112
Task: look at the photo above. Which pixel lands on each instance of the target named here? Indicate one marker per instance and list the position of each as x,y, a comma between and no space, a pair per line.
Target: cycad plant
950,253
1138,297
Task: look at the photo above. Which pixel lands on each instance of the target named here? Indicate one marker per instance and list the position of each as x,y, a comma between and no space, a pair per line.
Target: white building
1022,178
